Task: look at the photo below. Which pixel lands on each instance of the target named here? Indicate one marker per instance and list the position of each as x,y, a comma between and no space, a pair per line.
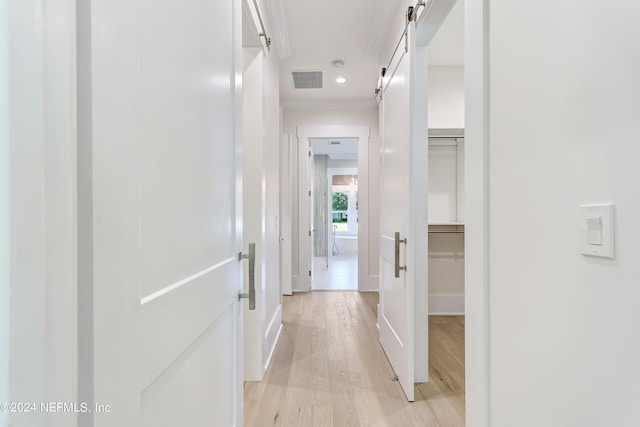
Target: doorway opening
335,213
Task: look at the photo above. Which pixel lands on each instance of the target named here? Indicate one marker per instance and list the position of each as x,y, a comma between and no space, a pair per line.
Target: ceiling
321,32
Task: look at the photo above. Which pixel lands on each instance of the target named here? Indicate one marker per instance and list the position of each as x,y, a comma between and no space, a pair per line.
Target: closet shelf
459,228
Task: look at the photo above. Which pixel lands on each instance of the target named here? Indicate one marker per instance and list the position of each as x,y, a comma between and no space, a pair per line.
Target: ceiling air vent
307,79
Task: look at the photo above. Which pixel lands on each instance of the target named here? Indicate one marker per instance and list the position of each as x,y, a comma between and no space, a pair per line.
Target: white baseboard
446,305
300,284
272,334
368,283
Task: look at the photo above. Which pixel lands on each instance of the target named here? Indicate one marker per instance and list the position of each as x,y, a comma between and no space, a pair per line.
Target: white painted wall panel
564,122
446,273
443,180
446,97
446,263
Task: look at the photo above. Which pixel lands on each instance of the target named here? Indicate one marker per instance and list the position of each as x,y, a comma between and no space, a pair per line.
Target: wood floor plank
329,370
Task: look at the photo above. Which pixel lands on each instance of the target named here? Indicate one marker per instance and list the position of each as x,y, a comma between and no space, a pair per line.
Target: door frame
477,214
477,211
366,281
286,212
5,225
38,218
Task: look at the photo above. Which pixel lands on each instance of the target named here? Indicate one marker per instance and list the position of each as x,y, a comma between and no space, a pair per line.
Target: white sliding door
403,242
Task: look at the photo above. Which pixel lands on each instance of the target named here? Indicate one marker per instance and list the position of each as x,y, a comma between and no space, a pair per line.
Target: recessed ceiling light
341,80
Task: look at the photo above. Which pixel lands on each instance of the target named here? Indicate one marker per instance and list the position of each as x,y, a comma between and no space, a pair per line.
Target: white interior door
403,263
304,249
312,228
166,201
253,204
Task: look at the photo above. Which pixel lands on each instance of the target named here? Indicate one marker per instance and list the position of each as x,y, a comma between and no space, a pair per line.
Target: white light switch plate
596,242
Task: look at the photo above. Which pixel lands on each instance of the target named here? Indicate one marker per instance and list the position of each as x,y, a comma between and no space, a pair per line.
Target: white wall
293,118
565,102
335,163
446,97
443,183
446,272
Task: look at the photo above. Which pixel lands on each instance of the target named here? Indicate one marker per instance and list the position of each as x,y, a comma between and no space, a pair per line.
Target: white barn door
166,190
402,313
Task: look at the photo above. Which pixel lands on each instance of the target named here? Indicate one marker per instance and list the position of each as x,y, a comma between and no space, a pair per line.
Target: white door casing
286,209
403,305
38,255
477,146
302,281
166,199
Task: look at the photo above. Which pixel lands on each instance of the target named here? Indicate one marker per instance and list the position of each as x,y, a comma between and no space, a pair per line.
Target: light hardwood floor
341,275
329,370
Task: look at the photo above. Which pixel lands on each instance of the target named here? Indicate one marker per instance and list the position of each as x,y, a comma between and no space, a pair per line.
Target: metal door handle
251,256
397,262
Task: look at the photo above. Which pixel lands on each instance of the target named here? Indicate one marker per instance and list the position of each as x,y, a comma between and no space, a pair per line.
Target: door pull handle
251,295
398,267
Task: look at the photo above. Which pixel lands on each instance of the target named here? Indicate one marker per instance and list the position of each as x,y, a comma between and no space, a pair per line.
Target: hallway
341,275
328,369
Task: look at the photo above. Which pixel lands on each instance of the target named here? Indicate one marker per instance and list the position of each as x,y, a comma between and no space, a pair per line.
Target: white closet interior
446,221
